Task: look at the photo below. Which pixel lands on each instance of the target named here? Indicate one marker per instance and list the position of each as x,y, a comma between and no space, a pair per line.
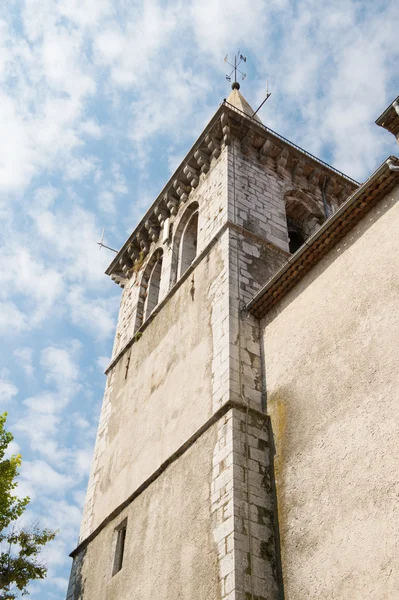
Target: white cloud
13,449
111,189
7,391
106,200
95,315
39,286
12,320
47,403
327,100
71,233
24,356
80,421
92,129
102,362
61,368
143,31
79,168
118,183
213,25
38,477
44,198
83,460
41,422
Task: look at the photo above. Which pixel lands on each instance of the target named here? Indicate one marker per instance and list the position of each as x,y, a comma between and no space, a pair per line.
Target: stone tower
181,498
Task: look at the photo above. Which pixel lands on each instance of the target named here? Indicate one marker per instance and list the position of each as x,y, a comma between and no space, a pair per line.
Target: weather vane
238,59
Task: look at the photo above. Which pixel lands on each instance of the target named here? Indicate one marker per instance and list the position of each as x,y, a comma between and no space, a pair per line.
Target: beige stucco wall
332,372
170,552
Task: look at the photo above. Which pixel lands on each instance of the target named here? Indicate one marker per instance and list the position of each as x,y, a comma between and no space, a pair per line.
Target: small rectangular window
120,547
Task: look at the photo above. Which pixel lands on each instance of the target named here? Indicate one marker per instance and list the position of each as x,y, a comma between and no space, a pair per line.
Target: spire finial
238,59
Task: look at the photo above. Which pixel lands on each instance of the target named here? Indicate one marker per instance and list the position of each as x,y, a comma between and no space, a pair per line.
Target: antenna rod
107,247
260,106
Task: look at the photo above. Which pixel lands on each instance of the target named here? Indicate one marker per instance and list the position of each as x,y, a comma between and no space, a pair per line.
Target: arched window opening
185,241
188,246
153,286
296,240
150,285
296,237
304,216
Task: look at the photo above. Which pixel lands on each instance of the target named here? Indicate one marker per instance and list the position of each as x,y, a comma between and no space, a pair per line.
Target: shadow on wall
76,582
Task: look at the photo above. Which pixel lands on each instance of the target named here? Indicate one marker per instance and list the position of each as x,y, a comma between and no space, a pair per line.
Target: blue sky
99,100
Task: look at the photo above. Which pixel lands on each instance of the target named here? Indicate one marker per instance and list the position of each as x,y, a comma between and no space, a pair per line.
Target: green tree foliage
19,546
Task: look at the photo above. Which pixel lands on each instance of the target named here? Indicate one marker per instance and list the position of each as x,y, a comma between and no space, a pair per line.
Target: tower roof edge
229,121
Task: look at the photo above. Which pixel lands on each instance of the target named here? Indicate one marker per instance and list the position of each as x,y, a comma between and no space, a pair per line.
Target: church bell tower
181,500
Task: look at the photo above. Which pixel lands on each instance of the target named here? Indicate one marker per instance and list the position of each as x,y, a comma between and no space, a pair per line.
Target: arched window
149,289
185,242
153,286
188,246
295,236
304,216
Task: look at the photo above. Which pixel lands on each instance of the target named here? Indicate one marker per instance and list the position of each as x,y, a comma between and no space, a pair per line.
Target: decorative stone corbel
192,175
282,159
172,203
226,129
213,145
182,189
247,141
298,169
119,279
133,252
314,178
202,160
126,264
142,238
162,213
265,151
153,229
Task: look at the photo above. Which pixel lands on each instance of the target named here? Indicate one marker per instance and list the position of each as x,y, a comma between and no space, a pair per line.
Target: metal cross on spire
238,59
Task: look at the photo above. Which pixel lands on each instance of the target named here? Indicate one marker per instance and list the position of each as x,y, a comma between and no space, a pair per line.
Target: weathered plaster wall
331,353
162,390
191,533
170,551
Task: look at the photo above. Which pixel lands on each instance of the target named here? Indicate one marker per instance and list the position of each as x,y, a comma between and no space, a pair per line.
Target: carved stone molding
162,213
203,160
192,175
182,189
172,203
153,229
213,145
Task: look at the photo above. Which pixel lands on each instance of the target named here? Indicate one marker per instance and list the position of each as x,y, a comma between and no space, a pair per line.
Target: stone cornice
389,119
381,182
271,149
